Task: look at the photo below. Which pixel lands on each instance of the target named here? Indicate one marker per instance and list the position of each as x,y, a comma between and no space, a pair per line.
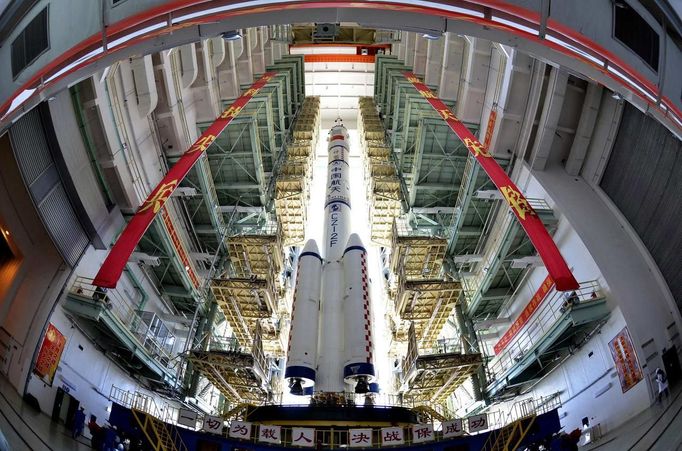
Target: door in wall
203,445
671,362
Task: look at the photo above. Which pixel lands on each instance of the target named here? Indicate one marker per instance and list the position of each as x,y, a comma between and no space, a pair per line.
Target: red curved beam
525,214
119,254
498,14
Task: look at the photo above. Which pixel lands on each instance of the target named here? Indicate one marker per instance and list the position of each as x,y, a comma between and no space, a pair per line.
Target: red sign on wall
525,315
50,354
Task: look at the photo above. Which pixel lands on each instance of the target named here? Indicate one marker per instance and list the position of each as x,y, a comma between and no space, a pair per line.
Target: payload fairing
330,342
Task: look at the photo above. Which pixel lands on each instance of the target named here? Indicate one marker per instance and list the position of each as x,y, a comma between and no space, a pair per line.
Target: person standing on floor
662,381
78,422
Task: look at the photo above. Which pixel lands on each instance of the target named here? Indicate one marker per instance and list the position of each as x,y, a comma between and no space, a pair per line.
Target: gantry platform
275,338
240,375
255,254
415,255
245,302
293,177
427,304
431,375
291,198
384,188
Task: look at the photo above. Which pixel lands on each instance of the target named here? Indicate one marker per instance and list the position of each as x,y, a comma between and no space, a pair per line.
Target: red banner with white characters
526,215
50,354
525,315
492,119
112,268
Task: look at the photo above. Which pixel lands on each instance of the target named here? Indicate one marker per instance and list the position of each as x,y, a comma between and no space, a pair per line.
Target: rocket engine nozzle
296,387
362,386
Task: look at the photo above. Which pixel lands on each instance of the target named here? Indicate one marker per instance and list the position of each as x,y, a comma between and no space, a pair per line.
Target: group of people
104,438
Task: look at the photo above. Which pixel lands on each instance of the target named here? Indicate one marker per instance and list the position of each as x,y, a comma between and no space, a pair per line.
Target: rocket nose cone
354,240
311,246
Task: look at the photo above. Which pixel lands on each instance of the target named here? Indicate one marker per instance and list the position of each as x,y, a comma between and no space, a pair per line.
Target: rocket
330,341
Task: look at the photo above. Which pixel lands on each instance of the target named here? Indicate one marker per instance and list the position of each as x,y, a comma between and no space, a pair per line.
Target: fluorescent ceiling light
232,35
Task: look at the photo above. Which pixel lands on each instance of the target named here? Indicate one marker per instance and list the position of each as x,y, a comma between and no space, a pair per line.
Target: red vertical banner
492,119
526,215
50,354
119,254
525,315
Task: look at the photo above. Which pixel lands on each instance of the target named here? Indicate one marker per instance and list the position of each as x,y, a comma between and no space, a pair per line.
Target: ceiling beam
239,209
237,186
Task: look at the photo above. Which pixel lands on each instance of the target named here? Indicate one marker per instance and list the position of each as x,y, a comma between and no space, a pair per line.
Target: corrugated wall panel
644,179
25,135
37,167
63,224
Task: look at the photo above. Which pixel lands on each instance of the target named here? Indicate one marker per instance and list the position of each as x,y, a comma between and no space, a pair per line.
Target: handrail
521,409
132,319
550,311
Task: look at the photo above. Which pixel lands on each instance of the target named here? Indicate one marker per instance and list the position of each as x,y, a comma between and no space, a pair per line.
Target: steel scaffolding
293,179
417,254
239,372
430,375
383,185
427,304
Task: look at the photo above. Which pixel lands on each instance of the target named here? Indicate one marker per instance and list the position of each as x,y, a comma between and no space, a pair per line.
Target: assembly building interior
424,225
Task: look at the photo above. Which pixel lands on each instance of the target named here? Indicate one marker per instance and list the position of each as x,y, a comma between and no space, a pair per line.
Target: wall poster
50,354
625,358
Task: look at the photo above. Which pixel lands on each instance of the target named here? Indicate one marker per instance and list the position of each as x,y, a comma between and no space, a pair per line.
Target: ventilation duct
145,85
188,63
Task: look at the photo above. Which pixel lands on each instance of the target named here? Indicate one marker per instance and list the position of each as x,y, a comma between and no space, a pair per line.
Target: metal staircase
238,411
161,436
431,413
509,437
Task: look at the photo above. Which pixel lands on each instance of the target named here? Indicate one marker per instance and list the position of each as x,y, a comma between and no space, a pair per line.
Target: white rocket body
302,350
342,330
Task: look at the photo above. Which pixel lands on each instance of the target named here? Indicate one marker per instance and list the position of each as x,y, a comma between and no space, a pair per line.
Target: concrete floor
26,429
658,428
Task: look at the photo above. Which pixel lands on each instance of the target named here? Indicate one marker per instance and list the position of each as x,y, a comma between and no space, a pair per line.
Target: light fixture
431,36
617,96
6,232
232,35
186,267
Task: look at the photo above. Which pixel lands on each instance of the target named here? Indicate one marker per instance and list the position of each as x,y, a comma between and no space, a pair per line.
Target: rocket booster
340,330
